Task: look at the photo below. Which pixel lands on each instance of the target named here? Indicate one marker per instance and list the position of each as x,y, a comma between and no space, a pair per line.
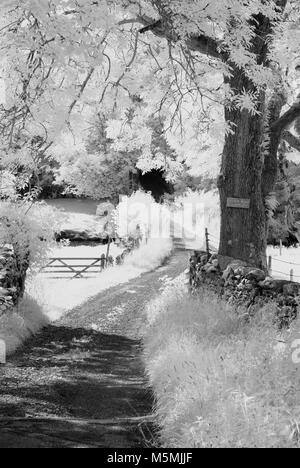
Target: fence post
102,262
207,241
270,264
291,275
108,247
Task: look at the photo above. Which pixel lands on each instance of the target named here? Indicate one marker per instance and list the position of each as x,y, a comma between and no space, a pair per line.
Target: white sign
238,203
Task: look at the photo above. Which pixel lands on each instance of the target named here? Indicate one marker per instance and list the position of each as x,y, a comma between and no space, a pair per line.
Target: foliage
8,184
96,176
271,204
103,170
29,227
179,63
64,58
292,173
284,212
278,230
28,166
187,181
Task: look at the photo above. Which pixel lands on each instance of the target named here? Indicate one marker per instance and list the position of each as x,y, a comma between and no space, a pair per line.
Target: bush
219,380
96,175
29,228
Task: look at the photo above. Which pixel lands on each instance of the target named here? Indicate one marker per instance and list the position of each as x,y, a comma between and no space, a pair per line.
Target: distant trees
102,170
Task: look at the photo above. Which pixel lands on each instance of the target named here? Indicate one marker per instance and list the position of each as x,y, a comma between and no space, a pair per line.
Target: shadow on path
81,382
90,385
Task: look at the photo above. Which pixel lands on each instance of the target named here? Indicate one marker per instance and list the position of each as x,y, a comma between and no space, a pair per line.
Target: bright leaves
67,60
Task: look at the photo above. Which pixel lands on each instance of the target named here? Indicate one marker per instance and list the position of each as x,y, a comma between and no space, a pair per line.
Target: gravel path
81,382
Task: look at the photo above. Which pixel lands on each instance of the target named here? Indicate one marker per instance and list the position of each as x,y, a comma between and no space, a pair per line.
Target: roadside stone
211,269
239,271
247,288
228,273
256,274
225,261
267,283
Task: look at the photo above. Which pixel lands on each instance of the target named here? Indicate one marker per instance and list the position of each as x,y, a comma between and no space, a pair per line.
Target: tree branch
151,27
287,118
144,20
82,88
204,45
291,139
201,43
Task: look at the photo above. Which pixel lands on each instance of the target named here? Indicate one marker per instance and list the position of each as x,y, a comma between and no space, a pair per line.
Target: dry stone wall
12,280
243,286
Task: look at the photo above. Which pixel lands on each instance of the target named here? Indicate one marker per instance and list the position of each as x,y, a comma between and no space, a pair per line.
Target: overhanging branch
287,118
291,139
204,45
81,90
200,43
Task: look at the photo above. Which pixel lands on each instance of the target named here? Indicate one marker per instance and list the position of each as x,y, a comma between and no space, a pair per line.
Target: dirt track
81,382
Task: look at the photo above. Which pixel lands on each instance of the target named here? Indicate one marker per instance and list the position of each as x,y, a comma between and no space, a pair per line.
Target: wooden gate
75,266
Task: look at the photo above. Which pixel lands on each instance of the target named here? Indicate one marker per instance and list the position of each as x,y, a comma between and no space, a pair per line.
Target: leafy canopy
64,60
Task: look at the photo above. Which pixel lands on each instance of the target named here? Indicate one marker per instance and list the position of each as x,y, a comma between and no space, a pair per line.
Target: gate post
207,241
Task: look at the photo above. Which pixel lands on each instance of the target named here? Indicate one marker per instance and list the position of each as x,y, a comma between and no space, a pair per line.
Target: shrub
29,228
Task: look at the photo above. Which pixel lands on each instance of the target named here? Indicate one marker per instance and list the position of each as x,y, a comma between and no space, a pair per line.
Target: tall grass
220,380
23,321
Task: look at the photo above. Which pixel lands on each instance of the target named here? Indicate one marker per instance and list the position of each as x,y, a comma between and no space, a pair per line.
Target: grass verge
220,379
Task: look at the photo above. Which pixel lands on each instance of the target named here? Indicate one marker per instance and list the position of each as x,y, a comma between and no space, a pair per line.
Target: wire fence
270,259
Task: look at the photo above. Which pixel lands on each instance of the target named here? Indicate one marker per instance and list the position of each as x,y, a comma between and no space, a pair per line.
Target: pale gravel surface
81,382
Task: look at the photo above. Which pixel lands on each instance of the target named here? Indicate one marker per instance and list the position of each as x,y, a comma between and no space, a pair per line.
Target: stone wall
12,280
243,286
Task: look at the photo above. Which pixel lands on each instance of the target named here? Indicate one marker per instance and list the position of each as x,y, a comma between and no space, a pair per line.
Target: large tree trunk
248,171
243,230
249,168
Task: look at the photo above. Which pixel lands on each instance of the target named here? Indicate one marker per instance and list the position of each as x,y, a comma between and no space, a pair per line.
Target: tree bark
243,231
249,165
249,171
